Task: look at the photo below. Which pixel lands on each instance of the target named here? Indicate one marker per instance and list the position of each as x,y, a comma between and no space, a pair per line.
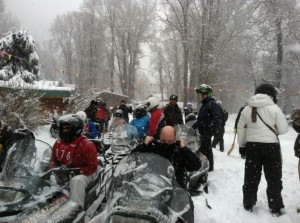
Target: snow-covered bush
18,57
21,109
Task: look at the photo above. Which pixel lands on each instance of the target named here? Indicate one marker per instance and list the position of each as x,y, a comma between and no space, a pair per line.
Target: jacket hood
260,100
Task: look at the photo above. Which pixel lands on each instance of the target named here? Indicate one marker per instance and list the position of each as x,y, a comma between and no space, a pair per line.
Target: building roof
43,87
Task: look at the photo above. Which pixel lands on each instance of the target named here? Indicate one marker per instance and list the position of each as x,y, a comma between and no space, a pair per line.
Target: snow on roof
18,83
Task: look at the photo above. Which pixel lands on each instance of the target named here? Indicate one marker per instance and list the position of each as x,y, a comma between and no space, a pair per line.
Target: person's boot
248,207
276,212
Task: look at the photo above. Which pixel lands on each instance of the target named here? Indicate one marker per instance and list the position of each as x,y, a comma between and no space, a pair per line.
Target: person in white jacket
260,123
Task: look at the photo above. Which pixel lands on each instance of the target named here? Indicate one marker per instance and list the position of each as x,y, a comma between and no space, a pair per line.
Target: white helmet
82,115
219,103
151,103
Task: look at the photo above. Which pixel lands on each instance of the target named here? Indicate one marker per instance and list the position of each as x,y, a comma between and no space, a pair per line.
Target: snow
18,83
225,184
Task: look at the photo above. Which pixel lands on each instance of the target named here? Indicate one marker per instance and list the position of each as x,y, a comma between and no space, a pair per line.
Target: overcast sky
36,16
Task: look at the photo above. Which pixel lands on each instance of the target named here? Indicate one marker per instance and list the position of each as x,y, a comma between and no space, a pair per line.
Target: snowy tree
18,57
21,109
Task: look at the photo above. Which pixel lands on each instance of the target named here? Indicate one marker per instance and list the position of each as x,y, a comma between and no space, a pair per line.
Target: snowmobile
195,180
144,190
30,193
54,127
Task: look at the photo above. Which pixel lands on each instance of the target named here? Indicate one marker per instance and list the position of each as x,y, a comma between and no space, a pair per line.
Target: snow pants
77,188
268,157
206,149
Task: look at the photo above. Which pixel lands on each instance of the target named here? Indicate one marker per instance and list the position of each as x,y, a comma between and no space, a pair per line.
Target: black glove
242,151
195,125
216,139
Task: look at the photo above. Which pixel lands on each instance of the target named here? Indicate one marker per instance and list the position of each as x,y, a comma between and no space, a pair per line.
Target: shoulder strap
268,126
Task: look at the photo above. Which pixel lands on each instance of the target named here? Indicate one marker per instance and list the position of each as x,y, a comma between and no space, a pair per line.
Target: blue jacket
92,129
209,118
141,124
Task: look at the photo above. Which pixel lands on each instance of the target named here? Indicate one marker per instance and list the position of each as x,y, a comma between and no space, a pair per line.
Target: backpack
224,116
224,113
100,114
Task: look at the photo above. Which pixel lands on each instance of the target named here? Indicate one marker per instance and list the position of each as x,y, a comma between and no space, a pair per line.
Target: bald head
167,135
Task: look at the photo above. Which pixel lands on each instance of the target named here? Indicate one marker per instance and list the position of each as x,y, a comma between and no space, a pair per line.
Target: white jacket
258,131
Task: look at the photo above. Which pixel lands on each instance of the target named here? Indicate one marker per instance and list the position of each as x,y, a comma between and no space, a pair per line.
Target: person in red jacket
156,114
73,150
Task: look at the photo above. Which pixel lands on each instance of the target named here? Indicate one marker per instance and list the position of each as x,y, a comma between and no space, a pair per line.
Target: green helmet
205,89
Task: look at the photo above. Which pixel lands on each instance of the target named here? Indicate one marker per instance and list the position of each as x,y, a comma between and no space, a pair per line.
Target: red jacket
155,116
78,153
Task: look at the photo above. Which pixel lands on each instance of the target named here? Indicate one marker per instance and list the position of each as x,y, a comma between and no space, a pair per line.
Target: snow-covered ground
225,184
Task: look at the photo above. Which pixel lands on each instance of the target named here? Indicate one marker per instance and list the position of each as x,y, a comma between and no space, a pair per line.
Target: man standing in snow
208,122
126,110
172,112
73,150
260,123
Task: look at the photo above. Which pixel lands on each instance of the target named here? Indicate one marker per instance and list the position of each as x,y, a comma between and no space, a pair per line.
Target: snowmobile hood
260,100
12,198
143,191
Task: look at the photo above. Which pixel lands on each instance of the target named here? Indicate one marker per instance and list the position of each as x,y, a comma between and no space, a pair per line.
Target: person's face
66,128
203,96
173,101
167,137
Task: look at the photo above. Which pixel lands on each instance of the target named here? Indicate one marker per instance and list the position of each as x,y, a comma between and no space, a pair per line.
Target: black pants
206,149
268,157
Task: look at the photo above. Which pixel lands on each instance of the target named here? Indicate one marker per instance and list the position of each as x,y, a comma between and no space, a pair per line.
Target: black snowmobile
144,190
30,193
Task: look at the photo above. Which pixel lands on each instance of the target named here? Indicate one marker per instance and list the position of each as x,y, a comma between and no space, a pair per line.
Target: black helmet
174,97
75,125
140,111
267,89
190,117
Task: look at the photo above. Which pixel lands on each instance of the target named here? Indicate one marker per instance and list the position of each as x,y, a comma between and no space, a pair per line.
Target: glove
242,151
234,131
195,125
216,139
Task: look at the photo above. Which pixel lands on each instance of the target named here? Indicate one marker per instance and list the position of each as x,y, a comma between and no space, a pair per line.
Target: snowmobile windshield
189,135
144,190
12,196
123,138
24,159
116,121
144,175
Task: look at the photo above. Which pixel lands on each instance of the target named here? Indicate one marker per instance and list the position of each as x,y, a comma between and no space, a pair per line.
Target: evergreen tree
18,57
